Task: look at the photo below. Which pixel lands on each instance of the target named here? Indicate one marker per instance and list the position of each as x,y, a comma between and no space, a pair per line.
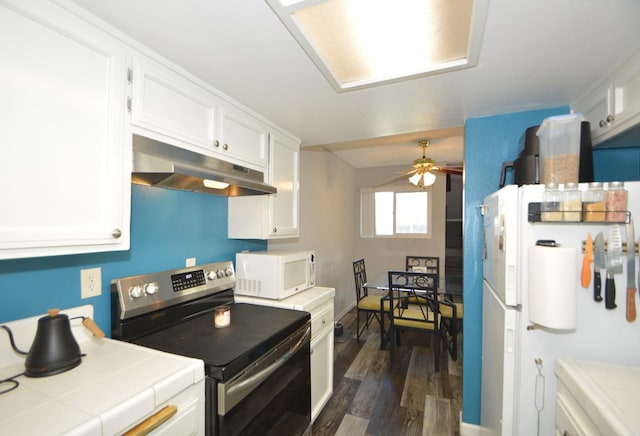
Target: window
398,213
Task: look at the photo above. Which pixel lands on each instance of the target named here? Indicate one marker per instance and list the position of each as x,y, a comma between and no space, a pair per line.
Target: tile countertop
116,385
608,393
305,300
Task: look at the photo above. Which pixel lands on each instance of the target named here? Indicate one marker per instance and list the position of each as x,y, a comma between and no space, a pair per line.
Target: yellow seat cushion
447,311
372,302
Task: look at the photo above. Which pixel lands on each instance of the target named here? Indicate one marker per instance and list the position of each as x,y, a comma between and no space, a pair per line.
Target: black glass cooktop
254,330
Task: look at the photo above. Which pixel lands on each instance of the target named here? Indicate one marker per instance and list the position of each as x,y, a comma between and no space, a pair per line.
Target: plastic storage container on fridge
560,148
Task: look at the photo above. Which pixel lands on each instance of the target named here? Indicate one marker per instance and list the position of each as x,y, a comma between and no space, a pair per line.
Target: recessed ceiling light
362,43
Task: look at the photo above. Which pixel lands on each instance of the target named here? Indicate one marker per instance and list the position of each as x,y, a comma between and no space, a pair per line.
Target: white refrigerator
518,355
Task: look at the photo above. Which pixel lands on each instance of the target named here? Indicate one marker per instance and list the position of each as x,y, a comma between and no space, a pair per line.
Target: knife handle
610,293
585,277
631,304
597,286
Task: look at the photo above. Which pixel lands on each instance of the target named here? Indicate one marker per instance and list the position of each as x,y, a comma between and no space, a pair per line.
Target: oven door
271,396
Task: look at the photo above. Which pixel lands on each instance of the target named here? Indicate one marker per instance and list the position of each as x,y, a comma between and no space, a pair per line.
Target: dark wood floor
375,396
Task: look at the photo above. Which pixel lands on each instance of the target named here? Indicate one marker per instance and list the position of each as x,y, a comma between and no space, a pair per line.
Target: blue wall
488,142
166,228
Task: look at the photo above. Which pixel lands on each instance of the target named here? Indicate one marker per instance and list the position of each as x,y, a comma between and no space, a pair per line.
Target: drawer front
571,418
321,319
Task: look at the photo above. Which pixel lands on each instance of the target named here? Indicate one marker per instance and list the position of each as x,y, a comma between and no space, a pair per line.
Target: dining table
380,286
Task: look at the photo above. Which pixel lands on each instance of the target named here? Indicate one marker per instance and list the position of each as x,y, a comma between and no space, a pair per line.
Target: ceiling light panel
359,43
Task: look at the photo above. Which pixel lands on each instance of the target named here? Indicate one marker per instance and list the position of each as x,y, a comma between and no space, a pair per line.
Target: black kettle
526,167
54,349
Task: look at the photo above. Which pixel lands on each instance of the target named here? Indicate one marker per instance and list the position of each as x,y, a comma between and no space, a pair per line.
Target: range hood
159,164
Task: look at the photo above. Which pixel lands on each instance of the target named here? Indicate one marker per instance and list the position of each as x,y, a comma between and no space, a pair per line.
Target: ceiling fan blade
395,179
449,170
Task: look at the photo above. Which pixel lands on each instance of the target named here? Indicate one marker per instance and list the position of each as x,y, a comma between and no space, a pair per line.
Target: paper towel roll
553,285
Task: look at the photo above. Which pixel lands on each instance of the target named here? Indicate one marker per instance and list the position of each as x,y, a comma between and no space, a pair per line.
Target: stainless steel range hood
166,166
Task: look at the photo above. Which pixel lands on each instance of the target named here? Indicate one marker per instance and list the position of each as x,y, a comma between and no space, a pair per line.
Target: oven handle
238,391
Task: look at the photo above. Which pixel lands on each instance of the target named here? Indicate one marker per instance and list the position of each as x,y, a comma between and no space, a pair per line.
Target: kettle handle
503,173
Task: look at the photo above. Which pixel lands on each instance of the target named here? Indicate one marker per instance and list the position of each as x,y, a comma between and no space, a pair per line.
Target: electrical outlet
90,282
191,261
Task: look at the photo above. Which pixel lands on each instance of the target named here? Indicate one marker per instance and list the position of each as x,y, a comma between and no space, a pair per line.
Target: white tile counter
116,386
597,398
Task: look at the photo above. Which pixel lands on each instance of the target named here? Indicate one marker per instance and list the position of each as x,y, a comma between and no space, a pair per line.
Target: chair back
360,277
413,297
426,264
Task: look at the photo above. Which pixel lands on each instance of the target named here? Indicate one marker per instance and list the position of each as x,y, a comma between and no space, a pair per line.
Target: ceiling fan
421,175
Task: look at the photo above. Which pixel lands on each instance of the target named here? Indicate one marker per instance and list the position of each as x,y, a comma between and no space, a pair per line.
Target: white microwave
274,274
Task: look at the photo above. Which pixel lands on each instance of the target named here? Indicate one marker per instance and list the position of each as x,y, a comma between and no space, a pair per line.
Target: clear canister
551,207
594,203
616,202
571,203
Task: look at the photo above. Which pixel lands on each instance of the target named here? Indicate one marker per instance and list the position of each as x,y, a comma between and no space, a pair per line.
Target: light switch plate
191,261
90,282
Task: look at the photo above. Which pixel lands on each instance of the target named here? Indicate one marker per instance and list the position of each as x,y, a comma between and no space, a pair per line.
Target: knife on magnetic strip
631,272
598,264
585,277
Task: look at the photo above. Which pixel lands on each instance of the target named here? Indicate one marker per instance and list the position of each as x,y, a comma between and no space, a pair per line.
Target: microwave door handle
240,390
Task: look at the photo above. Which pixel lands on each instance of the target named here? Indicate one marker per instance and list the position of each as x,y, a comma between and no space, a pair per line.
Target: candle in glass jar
222,317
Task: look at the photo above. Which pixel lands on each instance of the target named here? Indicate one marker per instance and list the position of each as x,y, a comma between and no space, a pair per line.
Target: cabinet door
271,216
65,169
321,371
284,175
597,109
167,104
243,139
626,88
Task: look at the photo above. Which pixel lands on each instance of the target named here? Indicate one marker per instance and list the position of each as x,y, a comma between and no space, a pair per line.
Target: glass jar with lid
616,203
551,207
594,203
571,203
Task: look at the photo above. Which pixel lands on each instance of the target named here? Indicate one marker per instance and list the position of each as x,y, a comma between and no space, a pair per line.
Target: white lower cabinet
322,366
66,150
272,216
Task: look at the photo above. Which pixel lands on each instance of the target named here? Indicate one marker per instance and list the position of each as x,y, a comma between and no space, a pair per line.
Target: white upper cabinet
66,151
170,107
614,105
242,138
272,216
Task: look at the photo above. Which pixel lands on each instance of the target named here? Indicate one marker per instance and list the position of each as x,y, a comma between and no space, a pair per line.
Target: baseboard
339,316
467,429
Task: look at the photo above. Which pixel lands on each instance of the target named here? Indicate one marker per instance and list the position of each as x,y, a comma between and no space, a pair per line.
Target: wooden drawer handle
153,422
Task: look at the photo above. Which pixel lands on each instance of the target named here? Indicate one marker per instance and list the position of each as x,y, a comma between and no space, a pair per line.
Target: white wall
329,218
384,254
330,225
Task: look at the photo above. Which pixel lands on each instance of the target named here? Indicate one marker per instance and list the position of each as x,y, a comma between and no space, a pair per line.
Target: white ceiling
534,54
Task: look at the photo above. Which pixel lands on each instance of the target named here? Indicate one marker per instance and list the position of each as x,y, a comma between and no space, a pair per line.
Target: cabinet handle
153,422
216,143
275,230
610,118
225,146
602,123
116,233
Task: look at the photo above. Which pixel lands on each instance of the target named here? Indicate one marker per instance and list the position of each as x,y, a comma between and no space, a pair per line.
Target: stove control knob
228,272
220,273
211,275
151,288
136,291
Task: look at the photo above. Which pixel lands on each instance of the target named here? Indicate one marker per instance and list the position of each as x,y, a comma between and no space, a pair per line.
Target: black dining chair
427,264
367,306
451,318
414,305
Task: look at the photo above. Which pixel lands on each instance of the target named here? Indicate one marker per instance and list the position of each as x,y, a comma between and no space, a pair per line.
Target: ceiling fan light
415,179
429,179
